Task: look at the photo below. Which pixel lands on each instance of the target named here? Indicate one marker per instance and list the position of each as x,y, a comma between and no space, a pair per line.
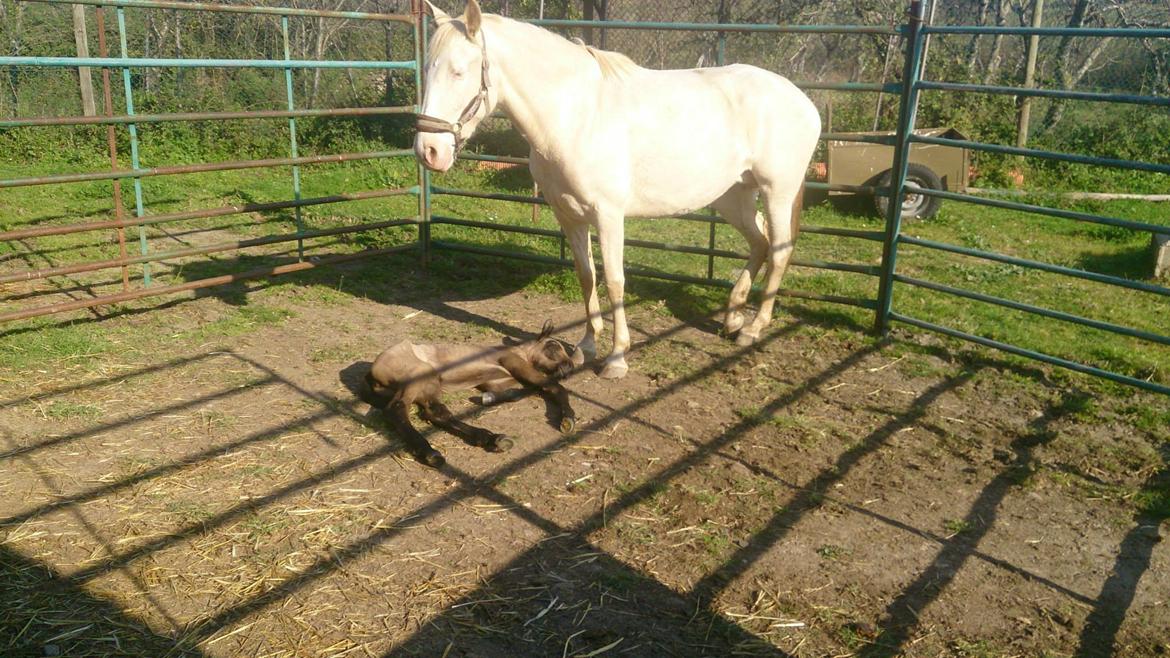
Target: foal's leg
499,391
577,235
783,226
611,237
398,412
438,414
738,208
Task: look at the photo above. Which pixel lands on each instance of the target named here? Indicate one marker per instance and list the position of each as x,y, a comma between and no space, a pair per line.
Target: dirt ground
228,494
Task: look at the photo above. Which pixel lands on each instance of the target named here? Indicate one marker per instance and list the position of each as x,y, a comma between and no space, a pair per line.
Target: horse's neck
544,82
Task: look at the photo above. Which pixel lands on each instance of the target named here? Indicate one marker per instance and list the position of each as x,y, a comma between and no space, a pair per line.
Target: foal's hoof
500,444
568,425
433,459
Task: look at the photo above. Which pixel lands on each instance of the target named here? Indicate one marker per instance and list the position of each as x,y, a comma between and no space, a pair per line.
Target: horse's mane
613,64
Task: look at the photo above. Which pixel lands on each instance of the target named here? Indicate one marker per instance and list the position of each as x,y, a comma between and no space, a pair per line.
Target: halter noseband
429,124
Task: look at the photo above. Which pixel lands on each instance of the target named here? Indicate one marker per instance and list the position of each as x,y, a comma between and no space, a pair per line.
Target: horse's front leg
611,238
577,235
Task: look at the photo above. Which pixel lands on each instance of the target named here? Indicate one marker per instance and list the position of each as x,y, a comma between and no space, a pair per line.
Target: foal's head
459,93
548,355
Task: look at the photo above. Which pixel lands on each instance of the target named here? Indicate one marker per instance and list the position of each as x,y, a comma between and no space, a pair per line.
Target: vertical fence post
907,112
424,176
139,207
292,141
112,143
720,60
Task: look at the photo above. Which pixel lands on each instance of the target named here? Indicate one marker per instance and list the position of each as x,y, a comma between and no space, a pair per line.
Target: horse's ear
547,330
440,15
472,18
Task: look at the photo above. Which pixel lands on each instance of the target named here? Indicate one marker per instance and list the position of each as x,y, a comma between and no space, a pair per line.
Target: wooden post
88,107
587,11
1025,114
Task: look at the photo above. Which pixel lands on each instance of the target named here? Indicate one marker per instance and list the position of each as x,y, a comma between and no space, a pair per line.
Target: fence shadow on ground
564,594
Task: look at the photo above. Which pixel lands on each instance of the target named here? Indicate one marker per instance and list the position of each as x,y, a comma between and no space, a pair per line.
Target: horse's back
691,134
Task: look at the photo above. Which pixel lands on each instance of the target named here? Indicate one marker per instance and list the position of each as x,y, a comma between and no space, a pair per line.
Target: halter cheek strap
429,124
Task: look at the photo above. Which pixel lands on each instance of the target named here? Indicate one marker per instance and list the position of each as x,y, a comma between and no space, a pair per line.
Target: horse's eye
457,74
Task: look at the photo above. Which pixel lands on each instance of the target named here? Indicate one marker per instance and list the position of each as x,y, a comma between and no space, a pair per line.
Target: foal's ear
440,15
472,18
546,330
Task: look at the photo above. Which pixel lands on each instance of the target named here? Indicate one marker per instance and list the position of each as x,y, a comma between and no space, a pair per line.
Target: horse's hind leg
783,215
737,207
438,414
611,239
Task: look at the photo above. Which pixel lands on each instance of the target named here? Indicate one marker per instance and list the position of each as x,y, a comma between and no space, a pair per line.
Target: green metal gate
913,34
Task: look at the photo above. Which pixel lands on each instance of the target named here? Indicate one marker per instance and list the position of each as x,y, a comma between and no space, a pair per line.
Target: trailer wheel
914,206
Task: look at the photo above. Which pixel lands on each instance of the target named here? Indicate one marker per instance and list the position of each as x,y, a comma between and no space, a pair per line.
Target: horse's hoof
433,459
568,425
745,339
487,399
615,370
501,444
733,323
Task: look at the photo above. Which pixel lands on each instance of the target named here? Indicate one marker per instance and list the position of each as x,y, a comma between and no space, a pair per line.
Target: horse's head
458,87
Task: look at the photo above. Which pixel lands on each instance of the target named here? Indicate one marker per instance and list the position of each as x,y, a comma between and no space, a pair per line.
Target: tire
914,206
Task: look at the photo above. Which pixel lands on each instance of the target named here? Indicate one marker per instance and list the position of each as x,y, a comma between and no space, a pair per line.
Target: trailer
935,167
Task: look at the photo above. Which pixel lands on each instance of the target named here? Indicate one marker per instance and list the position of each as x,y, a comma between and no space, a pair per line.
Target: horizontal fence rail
200,168
205,116
913,35
194,63
138,216
913,85
238,9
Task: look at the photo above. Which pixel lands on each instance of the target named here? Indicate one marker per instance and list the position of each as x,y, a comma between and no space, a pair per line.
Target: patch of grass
263,525
335,353
190,511
61,410
974,649
1149,418
637,533
243,320
1154,502
833,553
38,348
702,495
715,543
956,527
561,284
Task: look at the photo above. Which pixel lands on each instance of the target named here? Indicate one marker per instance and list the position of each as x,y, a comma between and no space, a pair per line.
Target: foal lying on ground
409,373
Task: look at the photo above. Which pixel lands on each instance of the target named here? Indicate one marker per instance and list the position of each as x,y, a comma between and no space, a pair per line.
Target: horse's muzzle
434,152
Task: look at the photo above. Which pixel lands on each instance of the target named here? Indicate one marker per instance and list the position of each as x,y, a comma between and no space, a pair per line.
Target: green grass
1109,250
61,409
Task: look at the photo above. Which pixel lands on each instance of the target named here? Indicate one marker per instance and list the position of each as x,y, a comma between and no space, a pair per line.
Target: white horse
612,140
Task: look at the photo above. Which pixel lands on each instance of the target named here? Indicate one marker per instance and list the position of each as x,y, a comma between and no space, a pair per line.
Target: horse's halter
429,124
